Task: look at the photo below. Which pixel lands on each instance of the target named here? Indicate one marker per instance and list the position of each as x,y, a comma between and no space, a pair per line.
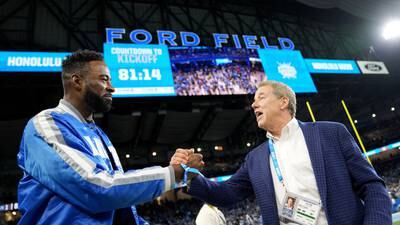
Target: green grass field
396,223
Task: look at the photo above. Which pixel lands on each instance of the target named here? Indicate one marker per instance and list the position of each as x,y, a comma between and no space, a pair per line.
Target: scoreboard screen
139,70
31,61
288,67
215,71
156,70
144,70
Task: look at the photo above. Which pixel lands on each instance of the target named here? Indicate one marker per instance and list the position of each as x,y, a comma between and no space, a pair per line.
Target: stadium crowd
205,78
184,212
196,53
390,174
210,71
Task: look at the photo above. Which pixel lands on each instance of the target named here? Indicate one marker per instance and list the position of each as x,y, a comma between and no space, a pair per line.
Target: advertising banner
372,67
332,66
287,67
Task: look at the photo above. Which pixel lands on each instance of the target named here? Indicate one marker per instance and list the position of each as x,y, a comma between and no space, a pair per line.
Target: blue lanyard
189,170
275,160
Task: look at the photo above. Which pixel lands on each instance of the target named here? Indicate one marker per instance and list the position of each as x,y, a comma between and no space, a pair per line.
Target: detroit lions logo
287,70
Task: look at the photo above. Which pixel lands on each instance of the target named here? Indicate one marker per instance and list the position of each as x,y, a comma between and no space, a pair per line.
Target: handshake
187,157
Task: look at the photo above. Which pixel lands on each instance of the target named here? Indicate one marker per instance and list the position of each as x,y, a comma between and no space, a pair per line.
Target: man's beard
96,102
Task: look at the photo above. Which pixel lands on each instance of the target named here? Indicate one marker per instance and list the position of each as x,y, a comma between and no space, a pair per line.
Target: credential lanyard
187,170
275,160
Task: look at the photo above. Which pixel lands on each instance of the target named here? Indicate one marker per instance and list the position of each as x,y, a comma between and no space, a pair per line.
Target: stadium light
136,113
154,153
127,156
218,148
373,115
198,149
392,109
391,30
248,144
355,121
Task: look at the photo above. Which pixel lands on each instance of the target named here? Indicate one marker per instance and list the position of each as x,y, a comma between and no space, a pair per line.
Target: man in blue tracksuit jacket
72,173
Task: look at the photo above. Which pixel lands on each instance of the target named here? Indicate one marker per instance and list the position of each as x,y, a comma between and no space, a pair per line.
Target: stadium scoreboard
139,70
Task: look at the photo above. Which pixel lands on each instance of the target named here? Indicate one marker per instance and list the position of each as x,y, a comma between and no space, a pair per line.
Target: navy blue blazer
351,191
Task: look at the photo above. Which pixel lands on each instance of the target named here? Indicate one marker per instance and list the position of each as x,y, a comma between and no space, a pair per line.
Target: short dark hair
77,61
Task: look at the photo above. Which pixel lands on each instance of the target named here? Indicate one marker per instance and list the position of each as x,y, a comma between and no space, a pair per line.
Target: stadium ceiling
70,25
366,9
142,125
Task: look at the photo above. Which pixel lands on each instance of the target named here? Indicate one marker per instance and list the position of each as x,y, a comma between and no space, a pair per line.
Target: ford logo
373,67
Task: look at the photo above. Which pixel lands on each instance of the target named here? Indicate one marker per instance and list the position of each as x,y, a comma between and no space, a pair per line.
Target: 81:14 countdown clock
142,74
134,74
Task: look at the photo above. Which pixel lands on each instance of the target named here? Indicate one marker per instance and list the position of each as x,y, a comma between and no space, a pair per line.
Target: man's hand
196,161
187,157
181,156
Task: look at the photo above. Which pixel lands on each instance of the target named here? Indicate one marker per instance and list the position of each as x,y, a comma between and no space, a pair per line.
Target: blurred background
220,124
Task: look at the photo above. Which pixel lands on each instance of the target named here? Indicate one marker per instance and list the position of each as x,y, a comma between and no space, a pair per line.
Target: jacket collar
312,137
68,107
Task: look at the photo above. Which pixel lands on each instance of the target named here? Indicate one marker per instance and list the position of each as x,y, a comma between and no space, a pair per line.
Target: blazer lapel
313,142
271,218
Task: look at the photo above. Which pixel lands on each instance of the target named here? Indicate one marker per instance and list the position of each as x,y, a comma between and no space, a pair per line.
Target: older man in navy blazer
317,164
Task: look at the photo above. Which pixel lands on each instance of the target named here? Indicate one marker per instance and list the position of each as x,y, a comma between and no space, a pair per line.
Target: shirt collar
287,130
64,104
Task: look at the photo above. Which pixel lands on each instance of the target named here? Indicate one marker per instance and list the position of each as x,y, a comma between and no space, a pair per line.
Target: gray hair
282,90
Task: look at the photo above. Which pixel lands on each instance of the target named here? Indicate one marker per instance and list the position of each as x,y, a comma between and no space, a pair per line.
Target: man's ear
77,81
284,102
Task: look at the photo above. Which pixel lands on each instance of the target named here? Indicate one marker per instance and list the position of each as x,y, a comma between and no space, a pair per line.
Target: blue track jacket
69,178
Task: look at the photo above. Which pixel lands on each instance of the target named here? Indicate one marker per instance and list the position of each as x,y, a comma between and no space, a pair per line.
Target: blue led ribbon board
332,66
139,70
288,67
31,61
